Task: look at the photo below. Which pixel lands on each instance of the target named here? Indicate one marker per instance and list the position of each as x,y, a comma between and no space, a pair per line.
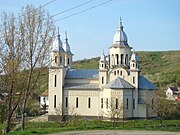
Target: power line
35,9
84,10
71,8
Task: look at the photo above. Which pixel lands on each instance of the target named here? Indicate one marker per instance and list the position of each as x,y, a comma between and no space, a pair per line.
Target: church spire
120,24
58,31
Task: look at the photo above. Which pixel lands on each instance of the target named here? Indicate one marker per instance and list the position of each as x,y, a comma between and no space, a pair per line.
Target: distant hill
161,67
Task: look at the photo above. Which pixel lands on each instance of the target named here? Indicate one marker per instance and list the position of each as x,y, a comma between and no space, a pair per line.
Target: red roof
45,93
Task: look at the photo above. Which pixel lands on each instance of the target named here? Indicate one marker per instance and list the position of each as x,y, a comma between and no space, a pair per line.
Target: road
117,132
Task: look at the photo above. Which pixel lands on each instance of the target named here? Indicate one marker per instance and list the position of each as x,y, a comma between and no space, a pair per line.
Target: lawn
39,128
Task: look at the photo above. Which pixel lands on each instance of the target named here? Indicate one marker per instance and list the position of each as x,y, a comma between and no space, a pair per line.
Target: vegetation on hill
161,67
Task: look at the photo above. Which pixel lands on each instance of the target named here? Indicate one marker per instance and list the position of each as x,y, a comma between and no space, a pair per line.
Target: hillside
162,68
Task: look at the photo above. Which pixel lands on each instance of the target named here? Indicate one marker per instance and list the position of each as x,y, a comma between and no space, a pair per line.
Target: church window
133,103
117,59
68,61
105,65
76,102
152,103
116,103
102,65
89,102
133,80
66,101
114,72
101,102
55,80
121,72
118,72
102,80
127,103
107,103
133,64
126,59
122,58
54,101
60,59
55,59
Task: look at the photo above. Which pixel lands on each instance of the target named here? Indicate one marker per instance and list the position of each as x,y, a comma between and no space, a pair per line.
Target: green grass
39,128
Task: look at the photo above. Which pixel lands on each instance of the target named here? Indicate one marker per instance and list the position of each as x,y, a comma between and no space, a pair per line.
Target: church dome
66,45
57,44
120,37
103,57
134,57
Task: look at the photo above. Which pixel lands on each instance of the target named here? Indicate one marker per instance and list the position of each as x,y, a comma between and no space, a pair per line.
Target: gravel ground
117,132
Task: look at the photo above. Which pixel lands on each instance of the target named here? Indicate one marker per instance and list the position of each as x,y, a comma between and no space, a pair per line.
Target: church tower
56,75
120,50
103,70
134,69
68,53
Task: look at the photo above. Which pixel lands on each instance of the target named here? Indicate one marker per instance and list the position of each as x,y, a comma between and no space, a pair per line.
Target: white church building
90,91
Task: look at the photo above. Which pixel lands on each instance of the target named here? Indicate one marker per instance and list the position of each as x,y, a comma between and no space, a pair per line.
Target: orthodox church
95,93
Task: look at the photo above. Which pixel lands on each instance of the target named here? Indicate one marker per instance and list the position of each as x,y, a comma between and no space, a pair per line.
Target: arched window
102,65
126,59
133,64
102,80
60,59
122,58
54,101
116,103
121,72
118,72
133,79
76,102
117,59
55,59
101,102
127,104
89,102
68,61
114,72
55,80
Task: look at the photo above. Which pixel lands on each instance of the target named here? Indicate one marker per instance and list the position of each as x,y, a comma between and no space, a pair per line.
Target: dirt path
117,132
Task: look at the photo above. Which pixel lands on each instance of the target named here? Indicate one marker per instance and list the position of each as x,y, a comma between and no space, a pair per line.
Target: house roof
175,89
145,84
119,83
82,74
83,86
45,93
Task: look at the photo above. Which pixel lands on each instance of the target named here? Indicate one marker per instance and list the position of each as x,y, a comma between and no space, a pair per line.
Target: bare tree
10,64
114,110
70,116
25,43
161,105
38,30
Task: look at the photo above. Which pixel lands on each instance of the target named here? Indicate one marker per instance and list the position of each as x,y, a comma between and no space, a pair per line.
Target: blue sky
151,25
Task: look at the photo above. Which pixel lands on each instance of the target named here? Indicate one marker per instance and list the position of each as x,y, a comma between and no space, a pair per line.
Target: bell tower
103,70
56,76
120,50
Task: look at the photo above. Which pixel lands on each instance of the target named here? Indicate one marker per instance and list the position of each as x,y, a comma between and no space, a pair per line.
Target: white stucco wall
83,96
